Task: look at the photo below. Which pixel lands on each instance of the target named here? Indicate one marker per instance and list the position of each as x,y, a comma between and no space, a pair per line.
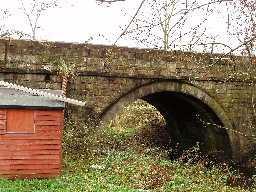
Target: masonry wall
104,74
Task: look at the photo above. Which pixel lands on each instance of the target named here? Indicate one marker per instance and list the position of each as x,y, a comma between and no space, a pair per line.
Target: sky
74,21
87,21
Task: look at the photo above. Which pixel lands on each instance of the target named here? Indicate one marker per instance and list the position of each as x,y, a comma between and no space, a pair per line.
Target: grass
125,159
130,166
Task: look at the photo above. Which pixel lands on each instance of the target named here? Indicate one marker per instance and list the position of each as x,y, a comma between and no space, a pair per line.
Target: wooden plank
48,118
2,122
2,111
56,113
2,126
10,137
30,162
35,138
32,152
31,142
31,176
40,131
50,135
46,111
28,167
2,116
26,172
28,147
19,157
48,123
48,127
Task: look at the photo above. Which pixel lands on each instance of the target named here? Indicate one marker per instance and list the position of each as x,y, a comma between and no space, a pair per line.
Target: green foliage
87,141
65,64
125,155
119,159
61,64
131,170
63,67
138,115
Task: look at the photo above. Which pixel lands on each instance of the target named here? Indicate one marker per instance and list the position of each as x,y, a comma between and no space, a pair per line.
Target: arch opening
189,122
142,124
191,115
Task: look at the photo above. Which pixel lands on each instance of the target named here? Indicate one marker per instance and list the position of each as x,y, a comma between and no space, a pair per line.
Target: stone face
109,77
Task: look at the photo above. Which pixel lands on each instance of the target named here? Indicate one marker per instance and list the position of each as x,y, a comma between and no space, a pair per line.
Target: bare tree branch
241,45
165,22
109,1
124,31
33,15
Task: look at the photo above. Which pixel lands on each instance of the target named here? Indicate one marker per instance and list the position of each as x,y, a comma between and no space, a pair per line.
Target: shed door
20,121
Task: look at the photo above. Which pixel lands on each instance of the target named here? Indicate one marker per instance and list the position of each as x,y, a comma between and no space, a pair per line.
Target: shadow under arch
191,114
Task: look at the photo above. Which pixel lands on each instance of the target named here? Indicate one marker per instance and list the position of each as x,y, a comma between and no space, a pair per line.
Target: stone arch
191,95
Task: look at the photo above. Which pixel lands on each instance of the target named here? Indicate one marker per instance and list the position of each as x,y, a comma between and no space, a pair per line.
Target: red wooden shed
30,135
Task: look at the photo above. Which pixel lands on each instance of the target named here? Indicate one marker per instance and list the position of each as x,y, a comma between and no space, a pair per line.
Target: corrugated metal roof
41,93
11,98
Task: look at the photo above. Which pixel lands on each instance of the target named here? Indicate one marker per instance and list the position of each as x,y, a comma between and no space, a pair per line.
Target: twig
109,1
124,31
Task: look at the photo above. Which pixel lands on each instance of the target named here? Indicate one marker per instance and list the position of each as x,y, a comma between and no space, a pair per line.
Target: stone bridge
203,97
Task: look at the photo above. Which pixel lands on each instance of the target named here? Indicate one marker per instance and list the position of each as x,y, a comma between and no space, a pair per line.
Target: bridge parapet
23,56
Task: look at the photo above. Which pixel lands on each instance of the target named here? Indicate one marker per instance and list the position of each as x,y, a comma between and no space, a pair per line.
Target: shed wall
32,155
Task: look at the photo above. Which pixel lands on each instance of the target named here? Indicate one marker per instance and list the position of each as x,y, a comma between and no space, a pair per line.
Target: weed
128,159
